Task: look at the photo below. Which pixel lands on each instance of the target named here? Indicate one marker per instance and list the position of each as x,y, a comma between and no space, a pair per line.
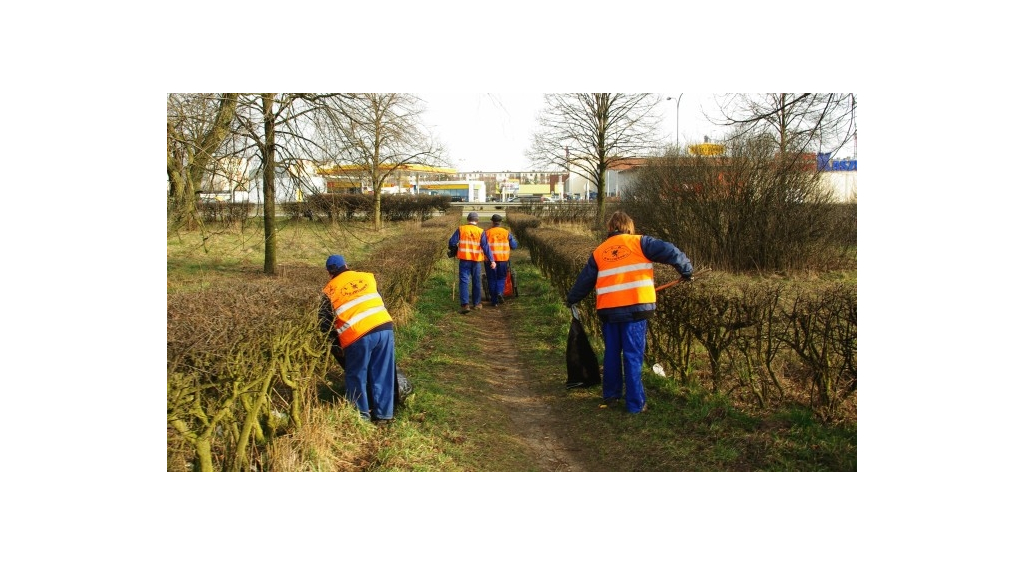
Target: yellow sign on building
707,149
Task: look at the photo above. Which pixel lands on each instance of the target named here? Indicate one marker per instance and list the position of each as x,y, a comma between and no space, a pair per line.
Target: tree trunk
378,223
182,197
269,210
185,172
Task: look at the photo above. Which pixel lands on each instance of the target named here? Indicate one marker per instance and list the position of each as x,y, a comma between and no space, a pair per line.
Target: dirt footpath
538,425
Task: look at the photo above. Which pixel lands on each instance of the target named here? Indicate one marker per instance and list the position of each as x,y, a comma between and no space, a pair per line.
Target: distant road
501,205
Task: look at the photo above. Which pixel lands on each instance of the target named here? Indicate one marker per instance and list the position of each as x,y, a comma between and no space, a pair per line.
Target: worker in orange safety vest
353,313
502,243
472,249
621,270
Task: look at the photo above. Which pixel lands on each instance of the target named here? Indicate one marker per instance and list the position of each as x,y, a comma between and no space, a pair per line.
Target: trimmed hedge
360,206
763,337
225,211
244,357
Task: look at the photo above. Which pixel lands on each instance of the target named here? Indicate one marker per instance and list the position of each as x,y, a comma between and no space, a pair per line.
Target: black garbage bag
511,284
402,387
336,351
580,360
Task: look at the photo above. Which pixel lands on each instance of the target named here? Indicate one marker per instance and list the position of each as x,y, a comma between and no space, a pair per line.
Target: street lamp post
565,187
678,99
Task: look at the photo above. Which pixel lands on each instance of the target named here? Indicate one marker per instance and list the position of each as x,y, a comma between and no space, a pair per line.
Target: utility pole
678,99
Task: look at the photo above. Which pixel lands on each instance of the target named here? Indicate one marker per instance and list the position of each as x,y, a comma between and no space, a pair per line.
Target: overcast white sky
491,132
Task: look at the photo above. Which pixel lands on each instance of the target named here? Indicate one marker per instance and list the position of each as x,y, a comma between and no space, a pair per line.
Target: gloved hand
688,276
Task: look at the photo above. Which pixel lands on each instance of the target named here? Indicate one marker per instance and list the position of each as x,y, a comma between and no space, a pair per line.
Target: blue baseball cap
335,263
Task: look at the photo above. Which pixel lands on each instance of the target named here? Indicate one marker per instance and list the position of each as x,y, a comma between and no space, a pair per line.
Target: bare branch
591,133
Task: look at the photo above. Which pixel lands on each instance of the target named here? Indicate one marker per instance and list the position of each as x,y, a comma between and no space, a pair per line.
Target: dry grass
333,439
194,256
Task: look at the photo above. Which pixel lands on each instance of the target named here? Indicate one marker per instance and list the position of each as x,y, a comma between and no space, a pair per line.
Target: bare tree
798,122
197,126
381,132
276,130
590,133
281,124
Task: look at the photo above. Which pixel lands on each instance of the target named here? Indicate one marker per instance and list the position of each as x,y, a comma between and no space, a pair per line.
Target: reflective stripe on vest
469,243
497,240
625,276
358,308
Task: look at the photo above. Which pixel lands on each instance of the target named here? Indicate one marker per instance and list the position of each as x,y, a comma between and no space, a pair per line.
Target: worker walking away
353,313
622,271
471,250
502,243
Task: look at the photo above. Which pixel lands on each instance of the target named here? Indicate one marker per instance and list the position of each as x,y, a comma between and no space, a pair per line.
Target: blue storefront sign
826,164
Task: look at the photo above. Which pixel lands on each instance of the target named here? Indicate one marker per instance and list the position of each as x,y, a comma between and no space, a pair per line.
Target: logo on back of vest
354,287
618,252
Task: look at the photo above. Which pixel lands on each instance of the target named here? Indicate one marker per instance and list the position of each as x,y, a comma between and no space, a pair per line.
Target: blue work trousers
469,273
370,367
496,280
624,345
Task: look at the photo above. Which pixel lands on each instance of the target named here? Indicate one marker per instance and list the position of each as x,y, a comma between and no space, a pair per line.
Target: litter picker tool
678,280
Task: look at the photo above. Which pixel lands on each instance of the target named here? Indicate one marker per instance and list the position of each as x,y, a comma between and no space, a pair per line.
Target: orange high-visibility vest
497,240
358,307
469,243
625,276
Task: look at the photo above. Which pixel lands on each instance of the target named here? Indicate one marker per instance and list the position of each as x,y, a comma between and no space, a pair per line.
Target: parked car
458,199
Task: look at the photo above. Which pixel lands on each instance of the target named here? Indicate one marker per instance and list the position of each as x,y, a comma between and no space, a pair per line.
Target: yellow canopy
410,167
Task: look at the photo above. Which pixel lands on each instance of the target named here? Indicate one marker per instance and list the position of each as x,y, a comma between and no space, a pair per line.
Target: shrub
752,211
